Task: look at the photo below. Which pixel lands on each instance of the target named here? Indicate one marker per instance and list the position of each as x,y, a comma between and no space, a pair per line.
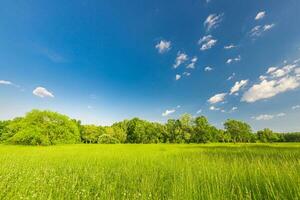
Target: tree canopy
50,128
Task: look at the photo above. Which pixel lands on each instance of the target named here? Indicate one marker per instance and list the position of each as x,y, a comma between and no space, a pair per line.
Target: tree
107,139
238,130
42,128
267,135
201,133
91,133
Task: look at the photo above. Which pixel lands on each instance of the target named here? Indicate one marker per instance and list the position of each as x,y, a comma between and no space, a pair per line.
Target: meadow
154,171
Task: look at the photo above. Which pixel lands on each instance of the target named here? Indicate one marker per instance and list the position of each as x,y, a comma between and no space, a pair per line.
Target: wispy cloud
168,112
266,117
260,15
232,60
207,69
238,85
213,21
5,82
163,46
192,63
217,98
207,42
296,107
231,46
231,77
42,92
52,55
181,58
259,30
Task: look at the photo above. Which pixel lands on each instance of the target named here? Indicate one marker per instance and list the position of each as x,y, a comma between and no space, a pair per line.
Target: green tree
91,133
42,128
267,135
238,130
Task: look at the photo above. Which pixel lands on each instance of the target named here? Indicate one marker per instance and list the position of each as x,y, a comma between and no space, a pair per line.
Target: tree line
50,128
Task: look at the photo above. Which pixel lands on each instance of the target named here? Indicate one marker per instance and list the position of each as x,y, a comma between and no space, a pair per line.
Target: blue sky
103,61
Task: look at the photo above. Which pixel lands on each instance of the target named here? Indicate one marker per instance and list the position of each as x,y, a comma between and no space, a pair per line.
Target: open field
212,171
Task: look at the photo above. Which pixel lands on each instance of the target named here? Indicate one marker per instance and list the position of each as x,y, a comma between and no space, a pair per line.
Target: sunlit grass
213,171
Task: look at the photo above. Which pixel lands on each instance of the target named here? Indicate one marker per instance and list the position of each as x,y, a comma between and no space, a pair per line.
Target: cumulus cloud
212,21
238,85
177,77
231,46
181,58
42,92
259,30
217,98
266,117
163,46
260,15
207,42
193,62
232,60
168,112
276,81
207,69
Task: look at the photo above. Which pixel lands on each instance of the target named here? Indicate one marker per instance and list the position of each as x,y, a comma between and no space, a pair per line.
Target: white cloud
193,62
275,82
177,77
217,98
231,46
168,112
207,69
280,115
199,111
271,69
212,21
186,73
259,30
213,108
3,82
238,85
234,108
260,15
207,42
42,92
232,60
181,58
163,46
263,117
266,117
231,77
296,107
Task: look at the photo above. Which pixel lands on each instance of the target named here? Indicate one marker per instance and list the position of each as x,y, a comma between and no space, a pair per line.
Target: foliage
238,130
91,133
48,128
42,128
107,139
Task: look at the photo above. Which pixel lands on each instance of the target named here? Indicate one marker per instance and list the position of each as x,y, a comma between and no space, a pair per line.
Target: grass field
213,171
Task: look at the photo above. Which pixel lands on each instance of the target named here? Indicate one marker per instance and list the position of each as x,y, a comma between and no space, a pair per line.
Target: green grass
214,171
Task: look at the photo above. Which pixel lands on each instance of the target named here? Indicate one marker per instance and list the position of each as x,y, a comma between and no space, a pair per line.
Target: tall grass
241,171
